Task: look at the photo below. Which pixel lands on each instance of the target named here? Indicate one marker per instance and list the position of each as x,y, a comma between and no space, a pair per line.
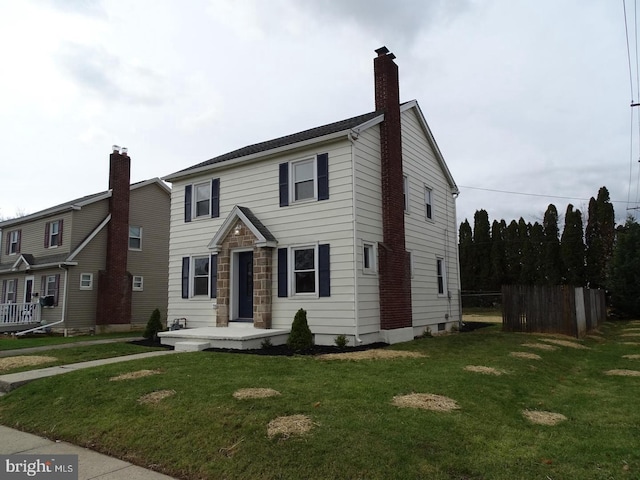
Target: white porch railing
19,314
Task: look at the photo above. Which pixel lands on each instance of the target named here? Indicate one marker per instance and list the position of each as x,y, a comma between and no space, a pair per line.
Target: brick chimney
114,283
394,262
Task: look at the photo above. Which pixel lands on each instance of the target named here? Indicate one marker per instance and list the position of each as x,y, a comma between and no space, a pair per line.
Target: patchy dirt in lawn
540,346
630,343
134,375
244,393
543,418
484,370
632,357
630,335
527,355
565,343
9,363
285,427
632,329
377,354
155,397
623,373
596,338
426,401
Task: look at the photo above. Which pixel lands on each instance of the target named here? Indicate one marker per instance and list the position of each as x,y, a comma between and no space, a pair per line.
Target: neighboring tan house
354,221
94,263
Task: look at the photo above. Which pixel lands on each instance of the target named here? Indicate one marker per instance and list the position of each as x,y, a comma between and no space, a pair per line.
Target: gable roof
287,140
78,203
264,238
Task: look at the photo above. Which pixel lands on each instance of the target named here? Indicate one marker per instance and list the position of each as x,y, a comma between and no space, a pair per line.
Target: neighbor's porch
236,336
19,316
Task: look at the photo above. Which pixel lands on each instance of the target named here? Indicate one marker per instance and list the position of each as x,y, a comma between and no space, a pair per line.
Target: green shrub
341,341
300,337
154,325
266,343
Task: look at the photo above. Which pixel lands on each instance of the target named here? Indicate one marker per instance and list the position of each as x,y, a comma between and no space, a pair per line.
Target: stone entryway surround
240,236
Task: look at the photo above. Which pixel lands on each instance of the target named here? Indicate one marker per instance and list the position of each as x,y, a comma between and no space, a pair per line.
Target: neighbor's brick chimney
114,283
394,263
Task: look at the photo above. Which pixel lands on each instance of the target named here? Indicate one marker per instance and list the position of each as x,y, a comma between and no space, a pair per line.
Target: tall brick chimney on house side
114,283
394,262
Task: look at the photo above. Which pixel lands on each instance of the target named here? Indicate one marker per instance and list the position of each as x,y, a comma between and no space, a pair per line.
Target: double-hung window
202,200
53,234
200,276
428,197
441,276
304,180
138,283
304,270
86,281
9,290
13,243
368,258
135,238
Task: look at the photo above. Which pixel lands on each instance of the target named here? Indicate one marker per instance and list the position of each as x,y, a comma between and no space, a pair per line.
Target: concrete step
191,346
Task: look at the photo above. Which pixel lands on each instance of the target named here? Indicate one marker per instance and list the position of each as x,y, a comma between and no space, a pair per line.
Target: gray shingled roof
288,140
268,236
36,262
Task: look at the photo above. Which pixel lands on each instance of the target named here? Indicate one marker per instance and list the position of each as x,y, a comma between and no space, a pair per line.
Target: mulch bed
285,351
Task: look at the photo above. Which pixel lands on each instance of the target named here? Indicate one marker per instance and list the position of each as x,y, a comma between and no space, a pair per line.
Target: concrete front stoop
235,337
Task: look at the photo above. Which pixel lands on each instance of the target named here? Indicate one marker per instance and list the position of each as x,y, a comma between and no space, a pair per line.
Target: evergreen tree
599,237
572,248
482,249
550,260
624,279
465,250
497,254
512,253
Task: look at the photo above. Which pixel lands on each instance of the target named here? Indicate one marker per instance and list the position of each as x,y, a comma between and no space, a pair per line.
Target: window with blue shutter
283,290
215,198
187,204
323,176
213,268
304,180
284,184
304,270
185,277
324,273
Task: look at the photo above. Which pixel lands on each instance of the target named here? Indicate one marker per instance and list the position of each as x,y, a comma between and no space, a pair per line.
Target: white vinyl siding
256,186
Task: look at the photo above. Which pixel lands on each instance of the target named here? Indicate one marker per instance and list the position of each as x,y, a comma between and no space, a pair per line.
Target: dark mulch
471,326
285,351
145,342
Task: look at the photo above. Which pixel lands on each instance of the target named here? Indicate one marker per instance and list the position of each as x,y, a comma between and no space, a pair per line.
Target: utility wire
534,194
626,31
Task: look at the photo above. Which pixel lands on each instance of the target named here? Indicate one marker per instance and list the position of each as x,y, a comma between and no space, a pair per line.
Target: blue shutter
322,162
215,199
187,204
324,271
213,269
185,277
284,184
283,291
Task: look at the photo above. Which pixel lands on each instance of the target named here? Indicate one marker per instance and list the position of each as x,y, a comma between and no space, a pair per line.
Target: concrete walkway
23,351
91,465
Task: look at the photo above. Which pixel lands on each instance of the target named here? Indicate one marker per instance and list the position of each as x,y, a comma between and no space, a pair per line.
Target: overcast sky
522,96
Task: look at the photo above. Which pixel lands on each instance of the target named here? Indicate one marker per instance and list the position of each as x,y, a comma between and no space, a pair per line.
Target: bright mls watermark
44,467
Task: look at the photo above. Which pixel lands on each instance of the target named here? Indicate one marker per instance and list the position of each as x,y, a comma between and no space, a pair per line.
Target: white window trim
194,201
428,191
51,234
86,287
13,251
292,272
444,277
11,283
292,183
141,287
130,237
192,279
405,188
46,285
373,267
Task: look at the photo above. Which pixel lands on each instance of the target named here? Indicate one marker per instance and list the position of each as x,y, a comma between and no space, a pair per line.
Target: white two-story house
354,221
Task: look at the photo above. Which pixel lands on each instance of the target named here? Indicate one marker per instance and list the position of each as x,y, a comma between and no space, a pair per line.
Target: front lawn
9,342
193,427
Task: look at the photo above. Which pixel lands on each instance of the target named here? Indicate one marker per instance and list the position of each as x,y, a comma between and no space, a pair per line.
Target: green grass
83,353
8,342
358,432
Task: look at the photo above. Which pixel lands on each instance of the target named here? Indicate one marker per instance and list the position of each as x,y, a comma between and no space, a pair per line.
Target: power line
535,194
626,31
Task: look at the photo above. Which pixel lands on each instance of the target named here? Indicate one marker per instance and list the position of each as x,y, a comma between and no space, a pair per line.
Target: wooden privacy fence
552,309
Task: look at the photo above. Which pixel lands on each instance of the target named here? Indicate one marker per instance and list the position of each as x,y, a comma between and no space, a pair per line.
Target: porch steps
191,346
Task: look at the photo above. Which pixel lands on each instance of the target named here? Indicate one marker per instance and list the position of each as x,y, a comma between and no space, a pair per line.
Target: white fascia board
89,238
38,215
368,124
432,141
20,259
151,181
236,213
254,157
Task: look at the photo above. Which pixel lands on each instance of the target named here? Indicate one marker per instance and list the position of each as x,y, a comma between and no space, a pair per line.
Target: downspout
352,138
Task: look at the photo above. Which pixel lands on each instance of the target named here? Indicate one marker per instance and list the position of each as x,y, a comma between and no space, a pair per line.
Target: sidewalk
91,465
22,351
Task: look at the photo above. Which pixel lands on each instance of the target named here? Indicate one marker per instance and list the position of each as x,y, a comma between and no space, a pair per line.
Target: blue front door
245,285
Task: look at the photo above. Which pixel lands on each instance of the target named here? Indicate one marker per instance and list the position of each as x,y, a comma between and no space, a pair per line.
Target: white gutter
352,139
